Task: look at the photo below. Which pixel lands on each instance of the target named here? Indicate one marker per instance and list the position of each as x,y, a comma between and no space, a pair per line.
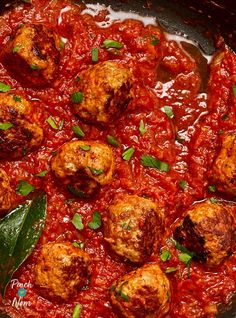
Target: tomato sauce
165,74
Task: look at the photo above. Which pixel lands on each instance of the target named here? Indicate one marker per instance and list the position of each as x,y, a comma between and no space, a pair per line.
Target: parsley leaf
77,221
24,188
96,221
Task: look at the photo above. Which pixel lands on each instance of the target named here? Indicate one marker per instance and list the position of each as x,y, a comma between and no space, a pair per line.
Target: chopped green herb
34,67
4,88
75,244
234,90
124,296
78,79
213,200
142,128
5,126
112,141
16,48
221,132
62,44
152,162
77,311
79,194
94,53
128,153
17,98
26,1
52,123
212,188
77,221
96,221
185,258
182,184
171,270
107,44
81,245
180,247
41,174
77,97
78,131
168,111
54,153
154,40
225,117
112,288
85,148
96,172
126,226
24,188
165,255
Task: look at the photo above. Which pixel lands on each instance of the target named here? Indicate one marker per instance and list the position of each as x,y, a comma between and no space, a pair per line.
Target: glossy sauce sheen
164,74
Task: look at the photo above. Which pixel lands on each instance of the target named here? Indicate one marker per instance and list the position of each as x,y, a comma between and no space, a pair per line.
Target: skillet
199,21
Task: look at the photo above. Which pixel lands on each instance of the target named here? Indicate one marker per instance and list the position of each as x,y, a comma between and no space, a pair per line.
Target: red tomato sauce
188,142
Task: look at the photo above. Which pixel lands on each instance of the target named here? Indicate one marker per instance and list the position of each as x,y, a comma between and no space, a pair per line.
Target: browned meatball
209,231
106,89
33,55
6,193
18,134
84,166
144,293
61,270
133,227
224,167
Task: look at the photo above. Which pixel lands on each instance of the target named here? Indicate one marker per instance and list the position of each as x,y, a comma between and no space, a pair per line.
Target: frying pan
198,20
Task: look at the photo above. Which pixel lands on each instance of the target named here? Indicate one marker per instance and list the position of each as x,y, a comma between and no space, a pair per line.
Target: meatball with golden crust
61,270
143,293
133,227
33,56
106,89
224,167
18,134
209,231
84,166
6,193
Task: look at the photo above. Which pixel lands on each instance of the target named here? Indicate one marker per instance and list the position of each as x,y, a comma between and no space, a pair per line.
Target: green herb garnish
182,184
142,128
94,53
34,67
152,162
78,131
4,88
77,311
154,40
24,188
16,48
96,172
212,188
165,255
234,90
17,98
77,221
171,270
96,221
128,153
5,126
77,97
112,141
85,148
52,123
41,174
73,190
107,44
213,200
168,111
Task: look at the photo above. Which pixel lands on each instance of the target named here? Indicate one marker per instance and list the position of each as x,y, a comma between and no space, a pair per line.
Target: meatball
224,167
133,227
106,89
33,55
209,231
61,270
84,166
6,193
143,293
18,134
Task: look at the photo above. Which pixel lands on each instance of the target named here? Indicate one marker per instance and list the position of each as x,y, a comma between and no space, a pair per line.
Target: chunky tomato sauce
165,74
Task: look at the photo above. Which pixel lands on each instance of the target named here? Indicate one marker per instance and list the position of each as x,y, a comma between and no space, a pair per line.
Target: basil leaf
94,53
77,221
128,153
19,233
107,44
77,97
142,128
5,126
112,141
24,188
4,88
78,131
165,255
152,162
77,311
96,221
